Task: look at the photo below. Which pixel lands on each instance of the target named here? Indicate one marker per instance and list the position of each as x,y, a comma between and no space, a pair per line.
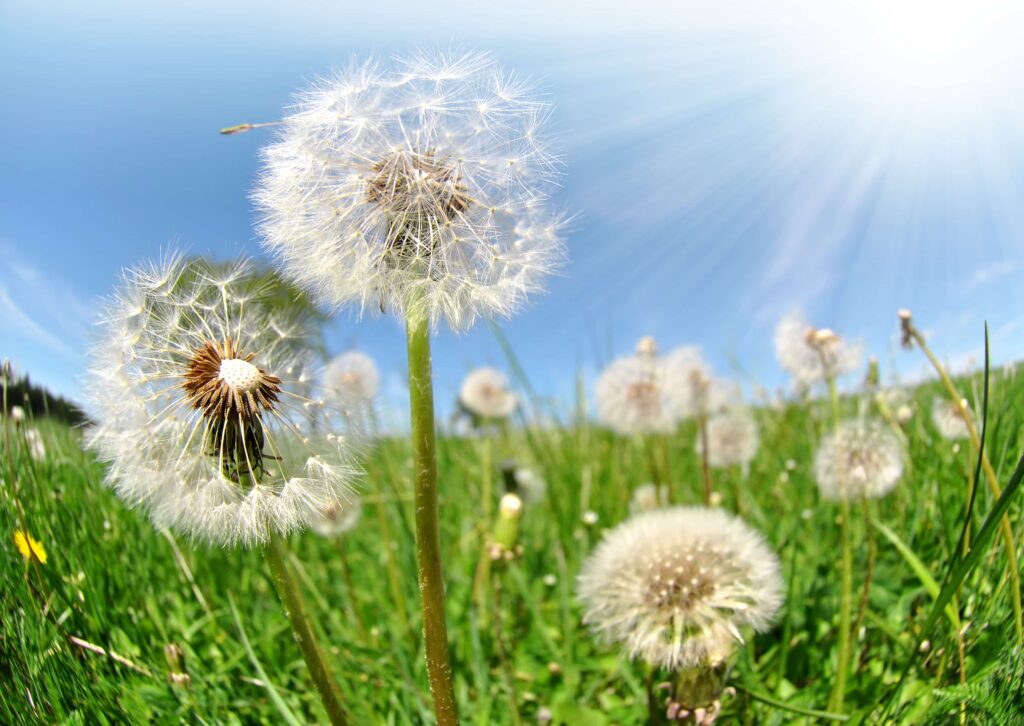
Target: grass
84,638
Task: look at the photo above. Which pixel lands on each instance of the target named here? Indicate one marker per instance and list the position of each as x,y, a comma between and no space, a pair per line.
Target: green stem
845,607
295,608
705,467
428,535
1006,530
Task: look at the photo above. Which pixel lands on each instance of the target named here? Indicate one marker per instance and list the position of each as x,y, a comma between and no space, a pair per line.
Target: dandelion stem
990,475
869,570
845,606
346,573
428,536
296,610
705,466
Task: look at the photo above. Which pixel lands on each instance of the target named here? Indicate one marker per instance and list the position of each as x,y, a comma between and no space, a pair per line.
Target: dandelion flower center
233,394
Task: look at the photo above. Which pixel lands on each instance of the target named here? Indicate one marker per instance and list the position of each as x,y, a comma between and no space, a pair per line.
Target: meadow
125,623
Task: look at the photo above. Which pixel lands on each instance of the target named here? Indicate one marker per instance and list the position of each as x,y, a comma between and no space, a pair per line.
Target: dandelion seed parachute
200,391
811,355
427,182
336,520
675,586
484,393
861,458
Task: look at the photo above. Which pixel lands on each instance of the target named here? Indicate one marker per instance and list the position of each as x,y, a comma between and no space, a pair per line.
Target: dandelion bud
906,328
506,526
647,346
873,376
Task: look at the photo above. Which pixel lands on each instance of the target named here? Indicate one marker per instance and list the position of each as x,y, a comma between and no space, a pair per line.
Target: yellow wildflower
30,547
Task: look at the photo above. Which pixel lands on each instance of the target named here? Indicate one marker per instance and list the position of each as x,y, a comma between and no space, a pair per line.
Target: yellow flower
29,547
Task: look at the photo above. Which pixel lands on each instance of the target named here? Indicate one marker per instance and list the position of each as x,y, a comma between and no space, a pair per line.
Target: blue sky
726,166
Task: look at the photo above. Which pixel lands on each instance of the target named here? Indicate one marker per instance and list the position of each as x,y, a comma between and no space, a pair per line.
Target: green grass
115,582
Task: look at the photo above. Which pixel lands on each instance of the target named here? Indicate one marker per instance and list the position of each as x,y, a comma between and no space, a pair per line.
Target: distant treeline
39,402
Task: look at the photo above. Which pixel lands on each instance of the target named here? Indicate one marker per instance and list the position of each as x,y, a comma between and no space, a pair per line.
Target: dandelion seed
426,183
948,418
675,586
732,438
485,395
632,397
861,458
812,355
29,547
202,396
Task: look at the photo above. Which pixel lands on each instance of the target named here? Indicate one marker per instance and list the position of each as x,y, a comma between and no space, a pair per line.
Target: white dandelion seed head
949,419
530,485
647,497
691,387
352,380
675,586
811,355
861,458
17,414
338,518
202,397
733,439
632,397
424,183
485,394
36,447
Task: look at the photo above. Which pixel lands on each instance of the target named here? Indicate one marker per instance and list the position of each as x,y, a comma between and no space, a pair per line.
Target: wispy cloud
991,272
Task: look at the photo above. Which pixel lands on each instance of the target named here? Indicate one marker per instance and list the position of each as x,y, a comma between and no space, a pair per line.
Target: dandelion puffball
948,418
691,388
338,518
861,458
813,355
484,393
352,379
201,394
675,586
732,439
426,184
632,396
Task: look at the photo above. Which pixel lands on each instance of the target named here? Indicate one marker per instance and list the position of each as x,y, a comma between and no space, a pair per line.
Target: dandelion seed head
530,485
352,380
732,438
484,393
647,497
36,447
426,182
632,397
691,387
811,355
948,418
861,458
204,409
338,518
675,586
17,415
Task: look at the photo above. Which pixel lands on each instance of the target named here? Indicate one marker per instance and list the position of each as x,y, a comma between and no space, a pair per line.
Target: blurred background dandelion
730,163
